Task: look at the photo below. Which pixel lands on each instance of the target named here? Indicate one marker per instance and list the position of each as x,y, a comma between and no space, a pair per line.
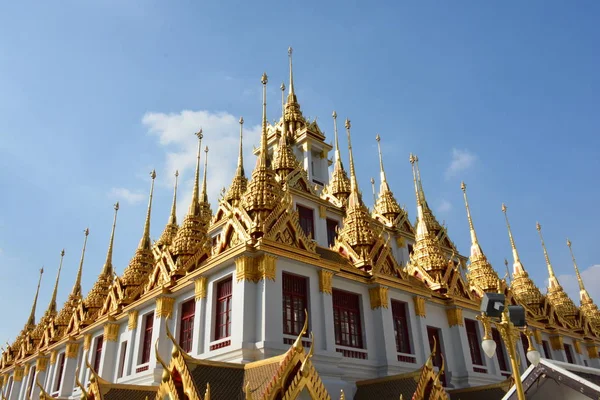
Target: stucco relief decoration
325,278
420,306
200,288
132,321
378,297
164,306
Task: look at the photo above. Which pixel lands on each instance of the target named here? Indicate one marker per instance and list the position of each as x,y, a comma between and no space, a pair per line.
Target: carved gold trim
18,374
132,321
245,269
325,278
400,241
41,364
267,266
164,306
592,352
577,346
111,332
419,306
537,335
379,297
556,342
72,349
322,211
87,341
455,316
200,288
53,355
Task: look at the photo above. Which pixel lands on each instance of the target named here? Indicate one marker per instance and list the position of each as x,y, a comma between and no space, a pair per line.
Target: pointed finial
381,170
173,216
507,270
52,305
145,242
579,280
204,194
335,133
373,189
291,73
31,320
283,126
108,268
77,287
548,264
240,164
413,158
510,236
263,157
195,196
471,228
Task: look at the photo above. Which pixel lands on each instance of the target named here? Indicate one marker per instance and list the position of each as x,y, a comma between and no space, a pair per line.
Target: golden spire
108,267
52,306
193,210
239,183
284,161
556,295
373,190
523,287
171,229
427,253
507,270
386,204
292,108
481,272
292,94
205,211
31,320
141,263
355,196
339,186
77,286
588,308
263,159
583,293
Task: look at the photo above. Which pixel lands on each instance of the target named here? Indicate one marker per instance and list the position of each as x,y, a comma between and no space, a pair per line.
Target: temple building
288,286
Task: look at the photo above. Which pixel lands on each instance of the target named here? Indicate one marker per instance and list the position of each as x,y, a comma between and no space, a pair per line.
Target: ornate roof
339,184
239,184
170,231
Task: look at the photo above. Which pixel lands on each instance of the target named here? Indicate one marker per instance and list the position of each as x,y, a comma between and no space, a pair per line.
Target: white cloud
123,194
461,160
591,281
175,132
444,206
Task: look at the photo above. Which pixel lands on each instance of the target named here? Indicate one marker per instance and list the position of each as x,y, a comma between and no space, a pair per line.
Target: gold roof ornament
51,311
339,185
95,298
140,266
264,192
30,324
523,288
284,160
427,254
373,190
588,308
239,183
481,274
170,230
205,211
556,295
192,233
386,203
292,109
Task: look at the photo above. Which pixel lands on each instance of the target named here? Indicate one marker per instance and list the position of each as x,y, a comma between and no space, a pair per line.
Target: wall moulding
556,342
419,306
132,322
111,332
325,281
164,306
379,297
455,316
200,288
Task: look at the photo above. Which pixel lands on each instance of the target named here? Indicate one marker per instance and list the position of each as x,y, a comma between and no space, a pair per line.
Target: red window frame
98,353
400,318
569,353
122,359
307,220
473,338
347,319
61,368
186,325
546,348
295,301
332,225
147,340
223,308
500,352
434,335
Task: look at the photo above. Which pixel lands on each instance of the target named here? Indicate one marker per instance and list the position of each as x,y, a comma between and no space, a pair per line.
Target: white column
200,316
420,329
383,326
162,317
17,384
325,301
109,351
460,346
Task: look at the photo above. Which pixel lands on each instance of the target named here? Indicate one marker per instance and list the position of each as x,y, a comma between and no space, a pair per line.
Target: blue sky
95,94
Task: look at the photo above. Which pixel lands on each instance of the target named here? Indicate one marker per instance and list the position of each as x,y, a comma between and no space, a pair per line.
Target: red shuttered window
186,325
307,221
98,353
346,319
223,322
295,294
147,339
400,317
473,338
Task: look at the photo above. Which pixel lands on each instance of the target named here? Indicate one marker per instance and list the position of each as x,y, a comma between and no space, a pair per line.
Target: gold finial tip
199,134
282,87
506,262
176,172
153,174
463,186
290,50
347,123
62,253
372,180
568,242
334,114
264,78
116,206
503,208
206,149
538,226
378,138
87,231
241,120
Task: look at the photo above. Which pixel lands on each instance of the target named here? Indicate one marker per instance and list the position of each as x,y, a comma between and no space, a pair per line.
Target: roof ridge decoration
427,261
170,231
588,308
284,160
557,297
239,183
293,114
356,240
128,287
386,204
481,275
338,188
429,386
205,211
523,288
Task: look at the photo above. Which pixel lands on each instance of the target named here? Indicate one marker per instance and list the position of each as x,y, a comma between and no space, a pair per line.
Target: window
546,347
223,322
400,318
332,226
30,384
346,319
98,353
122,359
61,368
585,363
410,249
294,303
500,350
147,341
473,338
434,336
307,221
569,353
186,325
525,343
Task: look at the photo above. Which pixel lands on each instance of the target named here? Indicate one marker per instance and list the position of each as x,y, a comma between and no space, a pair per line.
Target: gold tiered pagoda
390,302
